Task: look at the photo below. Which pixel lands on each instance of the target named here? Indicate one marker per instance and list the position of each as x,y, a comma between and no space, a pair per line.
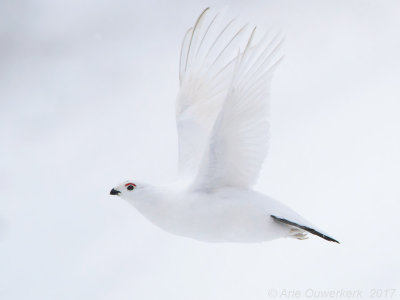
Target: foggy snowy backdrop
87,91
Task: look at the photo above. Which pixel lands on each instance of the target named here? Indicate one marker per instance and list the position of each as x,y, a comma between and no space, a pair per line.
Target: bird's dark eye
130,187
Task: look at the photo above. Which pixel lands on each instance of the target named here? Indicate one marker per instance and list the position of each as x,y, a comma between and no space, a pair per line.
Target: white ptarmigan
221,115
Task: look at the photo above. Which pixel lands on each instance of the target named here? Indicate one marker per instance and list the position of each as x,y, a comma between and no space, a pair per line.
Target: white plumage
221,113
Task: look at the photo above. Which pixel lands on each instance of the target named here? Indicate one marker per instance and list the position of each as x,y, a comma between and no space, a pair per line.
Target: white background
87,91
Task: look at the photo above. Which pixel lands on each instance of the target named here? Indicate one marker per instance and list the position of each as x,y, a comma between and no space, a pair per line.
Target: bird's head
127,189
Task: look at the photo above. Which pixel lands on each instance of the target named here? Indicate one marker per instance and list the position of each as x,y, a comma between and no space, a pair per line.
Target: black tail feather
308,229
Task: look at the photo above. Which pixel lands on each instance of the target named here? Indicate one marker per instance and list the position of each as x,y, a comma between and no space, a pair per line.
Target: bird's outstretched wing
238,142
208,56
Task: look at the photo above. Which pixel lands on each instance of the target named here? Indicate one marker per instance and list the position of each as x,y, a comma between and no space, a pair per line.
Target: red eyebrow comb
130,183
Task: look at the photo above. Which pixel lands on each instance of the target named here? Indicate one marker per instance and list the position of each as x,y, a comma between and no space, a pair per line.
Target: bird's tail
299,231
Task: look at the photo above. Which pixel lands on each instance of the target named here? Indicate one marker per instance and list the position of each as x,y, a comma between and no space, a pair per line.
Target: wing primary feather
229,43
219,36
223,68
205,33
264,65
266,56
181,63
246,50
254,53
236,35
194,31
233,59
270,56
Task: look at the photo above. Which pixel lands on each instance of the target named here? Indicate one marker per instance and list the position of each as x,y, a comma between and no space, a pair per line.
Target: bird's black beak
114,192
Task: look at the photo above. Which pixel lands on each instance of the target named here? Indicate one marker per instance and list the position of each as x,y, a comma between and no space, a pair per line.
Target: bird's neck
151,201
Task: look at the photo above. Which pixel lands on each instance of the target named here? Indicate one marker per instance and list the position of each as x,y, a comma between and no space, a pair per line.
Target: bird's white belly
219,218
227,225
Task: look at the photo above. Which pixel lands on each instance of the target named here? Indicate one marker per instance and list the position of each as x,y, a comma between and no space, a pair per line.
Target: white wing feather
208,55
239,140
